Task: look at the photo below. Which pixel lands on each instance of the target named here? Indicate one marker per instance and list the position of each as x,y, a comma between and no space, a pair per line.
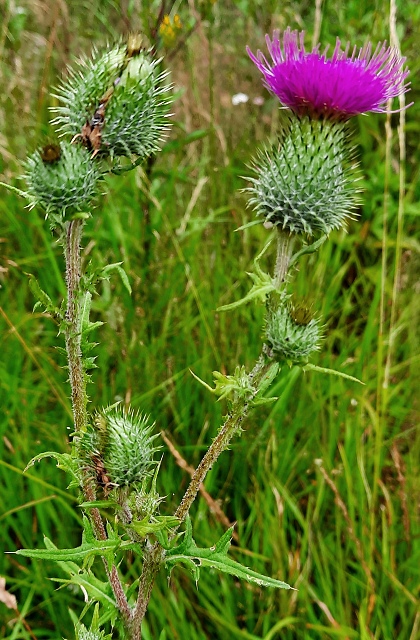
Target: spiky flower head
94,632
61,178
346,84
306,183
119,447
292,333
82,633
116,103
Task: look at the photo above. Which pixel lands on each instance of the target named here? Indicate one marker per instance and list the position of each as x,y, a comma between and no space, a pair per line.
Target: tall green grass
323,485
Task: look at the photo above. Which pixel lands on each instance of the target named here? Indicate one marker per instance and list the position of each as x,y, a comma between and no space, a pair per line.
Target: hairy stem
285,244
79,398
152,561
73,323
230,428
232,425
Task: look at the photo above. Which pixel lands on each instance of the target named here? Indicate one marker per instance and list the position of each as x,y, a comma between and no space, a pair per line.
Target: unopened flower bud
292,333
117,103
305,184
62,179
119,448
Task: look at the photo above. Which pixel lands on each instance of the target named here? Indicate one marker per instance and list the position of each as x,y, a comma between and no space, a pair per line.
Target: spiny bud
85,634
61,179
305,185
292,333
119,448
116,103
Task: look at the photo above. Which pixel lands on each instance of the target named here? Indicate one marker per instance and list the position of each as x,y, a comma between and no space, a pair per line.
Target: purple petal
340,86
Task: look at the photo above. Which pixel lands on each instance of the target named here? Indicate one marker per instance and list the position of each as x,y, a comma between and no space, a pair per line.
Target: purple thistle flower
339,87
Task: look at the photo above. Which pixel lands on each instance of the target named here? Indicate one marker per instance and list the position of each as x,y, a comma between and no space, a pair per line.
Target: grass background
323,485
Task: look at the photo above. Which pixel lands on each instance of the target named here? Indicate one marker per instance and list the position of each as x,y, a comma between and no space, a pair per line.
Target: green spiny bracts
125,443
80,94
62,179
116,104
85,634
305,185
94,632
292,333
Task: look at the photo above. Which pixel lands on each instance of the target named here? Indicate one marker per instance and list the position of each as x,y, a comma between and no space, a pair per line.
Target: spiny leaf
64,461
106,272
331,372
263,285
144,527
43,298
216,558
95,588
84,554
310,248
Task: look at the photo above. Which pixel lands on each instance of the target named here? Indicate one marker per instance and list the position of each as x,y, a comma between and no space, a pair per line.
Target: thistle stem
232,425
79,398
73,332
285,244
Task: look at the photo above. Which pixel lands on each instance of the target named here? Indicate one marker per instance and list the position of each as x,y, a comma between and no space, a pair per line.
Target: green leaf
84,554
24,194
144,527
263,285
99,504
43,298
65,461
123,168
310,248
239,385
96,589
85,310
265,382
215,557
331,372
248,225
110,268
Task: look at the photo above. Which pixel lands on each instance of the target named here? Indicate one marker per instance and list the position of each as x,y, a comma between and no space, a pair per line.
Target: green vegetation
322,483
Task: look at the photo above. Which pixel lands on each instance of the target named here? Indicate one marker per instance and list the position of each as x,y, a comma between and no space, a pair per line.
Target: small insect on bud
292,333
61,179
51,153
136,42
300,314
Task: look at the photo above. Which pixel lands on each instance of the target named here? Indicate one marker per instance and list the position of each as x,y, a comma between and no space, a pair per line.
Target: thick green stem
285,244
79,399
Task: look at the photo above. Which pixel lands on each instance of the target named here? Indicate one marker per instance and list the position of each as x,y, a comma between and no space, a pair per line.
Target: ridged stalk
79,399
154,557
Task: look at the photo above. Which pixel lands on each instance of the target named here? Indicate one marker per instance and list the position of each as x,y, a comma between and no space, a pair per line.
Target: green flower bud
116,103
85,634
61,179
94,632
118,449
306,185
292,333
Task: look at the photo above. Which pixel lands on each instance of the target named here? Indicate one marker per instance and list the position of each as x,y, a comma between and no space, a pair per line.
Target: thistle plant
113,114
